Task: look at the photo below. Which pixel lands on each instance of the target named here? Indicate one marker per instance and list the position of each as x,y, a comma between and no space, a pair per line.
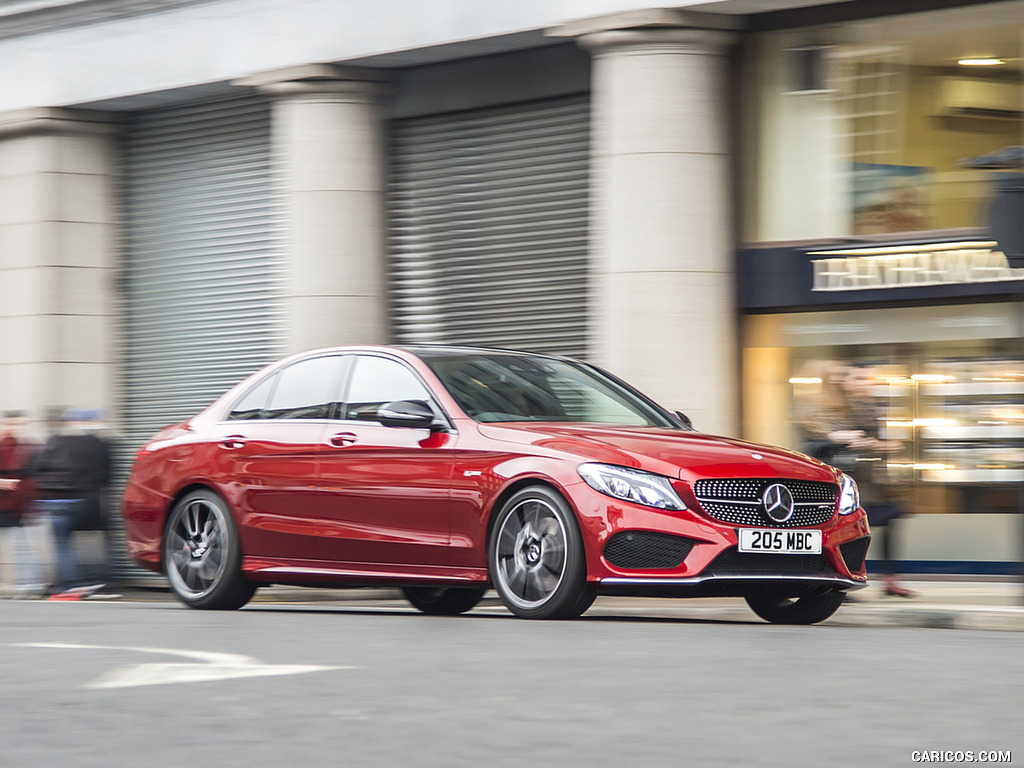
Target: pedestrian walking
878,493
16,454
841,426
71,473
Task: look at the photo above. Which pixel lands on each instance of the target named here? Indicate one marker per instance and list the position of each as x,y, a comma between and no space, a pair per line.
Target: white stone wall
221,41
662,245
803,187
56,261
328,145
958,537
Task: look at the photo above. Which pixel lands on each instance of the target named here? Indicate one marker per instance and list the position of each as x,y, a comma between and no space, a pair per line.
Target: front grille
645,550
854,552
738,501
735,563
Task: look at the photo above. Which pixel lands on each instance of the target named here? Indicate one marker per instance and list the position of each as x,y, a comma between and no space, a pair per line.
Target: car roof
454,349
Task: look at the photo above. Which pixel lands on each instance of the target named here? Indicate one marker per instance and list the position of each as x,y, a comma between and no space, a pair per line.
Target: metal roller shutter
488,227
202,299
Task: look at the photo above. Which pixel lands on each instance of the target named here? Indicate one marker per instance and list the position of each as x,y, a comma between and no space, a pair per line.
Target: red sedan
446,470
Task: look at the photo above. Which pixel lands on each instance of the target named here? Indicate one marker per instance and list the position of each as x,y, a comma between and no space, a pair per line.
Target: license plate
780,542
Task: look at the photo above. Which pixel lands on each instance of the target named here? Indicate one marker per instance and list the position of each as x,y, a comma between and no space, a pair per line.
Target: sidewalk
979,604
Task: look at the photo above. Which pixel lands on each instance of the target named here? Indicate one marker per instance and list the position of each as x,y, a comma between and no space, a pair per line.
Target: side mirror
412,414
683,418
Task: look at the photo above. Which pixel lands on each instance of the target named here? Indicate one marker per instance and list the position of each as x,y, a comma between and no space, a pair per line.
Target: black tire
535,557
444,601
809,609
203,554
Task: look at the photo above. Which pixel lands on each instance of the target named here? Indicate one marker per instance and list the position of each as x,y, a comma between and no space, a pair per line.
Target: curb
978,618
993,618
874,614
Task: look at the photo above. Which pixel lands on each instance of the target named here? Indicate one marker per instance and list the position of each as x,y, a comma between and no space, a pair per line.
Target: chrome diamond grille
738,501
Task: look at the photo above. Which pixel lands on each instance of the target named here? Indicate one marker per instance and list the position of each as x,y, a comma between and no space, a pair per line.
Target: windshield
492,387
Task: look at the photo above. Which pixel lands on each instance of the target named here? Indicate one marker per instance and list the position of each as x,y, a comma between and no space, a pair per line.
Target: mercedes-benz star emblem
778,502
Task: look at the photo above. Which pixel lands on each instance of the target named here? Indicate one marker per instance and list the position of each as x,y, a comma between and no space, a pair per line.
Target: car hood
686,455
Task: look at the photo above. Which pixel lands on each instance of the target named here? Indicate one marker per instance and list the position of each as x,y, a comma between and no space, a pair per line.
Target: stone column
57,260
328,150
662,250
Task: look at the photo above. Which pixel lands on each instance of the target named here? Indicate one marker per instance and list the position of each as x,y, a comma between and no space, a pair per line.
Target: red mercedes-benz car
446,470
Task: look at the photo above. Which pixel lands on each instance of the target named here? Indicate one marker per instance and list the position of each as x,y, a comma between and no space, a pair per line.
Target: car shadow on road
487,614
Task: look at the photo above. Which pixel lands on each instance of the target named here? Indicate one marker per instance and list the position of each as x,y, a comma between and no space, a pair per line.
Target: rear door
267,452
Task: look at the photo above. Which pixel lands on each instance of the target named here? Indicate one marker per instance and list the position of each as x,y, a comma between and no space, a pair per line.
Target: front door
385,489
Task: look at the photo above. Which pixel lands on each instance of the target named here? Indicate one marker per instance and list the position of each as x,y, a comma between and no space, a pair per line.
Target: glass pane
897,133
377,381
306,390
509,387
254,401
940,420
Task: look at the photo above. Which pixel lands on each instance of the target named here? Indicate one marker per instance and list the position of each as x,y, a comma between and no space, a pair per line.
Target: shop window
942,387
917,124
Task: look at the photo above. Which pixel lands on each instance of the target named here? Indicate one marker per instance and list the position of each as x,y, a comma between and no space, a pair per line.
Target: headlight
849,496
632,485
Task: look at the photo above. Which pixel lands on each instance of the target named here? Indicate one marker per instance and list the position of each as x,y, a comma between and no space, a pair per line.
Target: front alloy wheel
536,557
203,556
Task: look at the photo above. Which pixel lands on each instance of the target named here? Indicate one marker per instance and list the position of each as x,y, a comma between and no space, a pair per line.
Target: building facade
696,198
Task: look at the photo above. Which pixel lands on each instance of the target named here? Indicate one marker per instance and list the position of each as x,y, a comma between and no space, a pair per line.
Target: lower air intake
646,550
734,563
854,552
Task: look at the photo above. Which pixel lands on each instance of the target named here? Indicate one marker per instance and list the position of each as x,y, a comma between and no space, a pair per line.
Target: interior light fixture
980,61
921,423
892,250
922,467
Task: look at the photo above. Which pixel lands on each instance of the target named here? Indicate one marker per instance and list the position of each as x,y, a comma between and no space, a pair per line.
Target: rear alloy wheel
203,555
809,609
535,556
444,601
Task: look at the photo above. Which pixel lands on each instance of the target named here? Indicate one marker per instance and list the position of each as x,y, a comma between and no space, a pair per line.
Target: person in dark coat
841,426
878,494
71,472
16,454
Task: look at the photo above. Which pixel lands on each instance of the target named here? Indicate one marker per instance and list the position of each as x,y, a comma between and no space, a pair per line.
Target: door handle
233,442
344,438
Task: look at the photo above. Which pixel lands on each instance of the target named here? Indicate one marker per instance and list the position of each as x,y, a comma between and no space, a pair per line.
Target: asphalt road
156,684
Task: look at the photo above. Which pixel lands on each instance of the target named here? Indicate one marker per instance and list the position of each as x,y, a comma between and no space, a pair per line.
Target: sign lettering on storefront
858,269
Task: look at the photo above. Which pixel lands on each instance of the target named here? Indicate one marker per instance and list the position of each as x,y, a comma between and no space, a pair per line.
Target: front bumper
734,585
707,561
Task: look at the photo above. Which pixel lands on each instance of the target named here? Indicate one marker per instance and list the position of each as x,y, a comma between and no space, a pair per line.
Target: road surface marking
207,666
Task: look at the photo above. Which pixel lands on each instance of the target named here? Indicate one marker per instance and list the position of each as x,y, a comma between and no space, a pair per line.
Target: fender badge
756,456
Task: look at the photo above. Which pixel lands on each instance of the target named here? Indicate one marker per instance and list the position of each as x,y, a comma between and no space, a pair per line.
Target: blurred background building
707,199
